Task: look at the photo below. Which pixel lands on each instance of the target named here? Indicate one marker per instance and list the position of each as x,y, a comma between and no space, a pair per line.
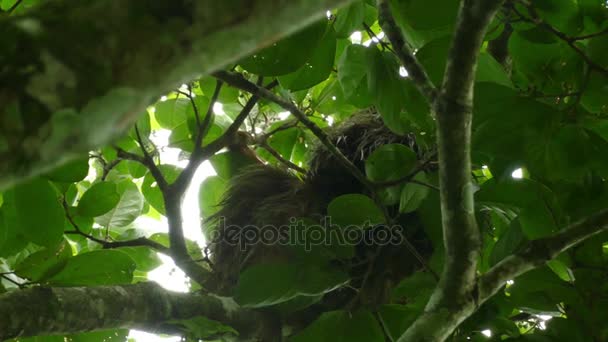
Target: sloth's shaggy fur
263,195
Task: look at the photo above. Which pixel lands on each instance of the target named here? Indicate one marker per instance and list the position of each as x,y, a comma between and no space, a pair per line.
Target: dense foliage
539,141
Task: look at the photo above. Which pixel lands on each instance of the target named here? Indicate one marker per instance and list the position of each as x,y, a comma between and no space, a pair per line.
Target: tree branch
119,65
571,41
454,298
146,306
239,82
537,252
173,195
280,158
403,51
142,241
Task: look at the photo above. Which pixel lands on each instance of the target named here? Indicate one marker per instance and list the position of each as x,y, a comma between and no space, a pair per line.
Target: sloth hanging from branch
286,214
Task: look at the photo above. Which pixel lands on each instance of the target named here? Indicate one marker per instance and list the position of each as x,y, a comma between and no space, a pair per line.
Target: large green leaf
510,241
387,88
390,162
539,213
352,75
40,214
354,210
45,263
73,171
284,281
317,68
288,54
145,258
413,193
171,113
129,207
349,18
98,199
101,267
342,326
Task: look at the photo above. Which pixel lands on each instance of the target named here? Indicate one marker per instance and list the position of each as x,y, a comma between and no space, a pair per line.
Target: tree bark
74,74
145,306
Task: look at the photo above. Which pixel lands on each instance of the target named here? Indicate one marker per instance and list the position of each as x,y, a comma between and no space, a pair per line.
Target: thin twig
237,81
591,35
430,186
142,241
280,158
149,162
374,36
15,5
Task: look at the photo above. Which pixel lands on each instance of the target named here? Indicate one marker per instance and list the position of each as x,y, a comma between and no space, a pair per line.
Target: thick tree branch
174,194
145,306
404,52
455,297
537,252
239,82
128,54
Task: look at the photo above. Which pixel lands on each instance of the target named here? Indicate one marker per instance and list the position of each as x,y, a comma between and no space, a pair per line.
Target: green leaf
489,70
352,75
538,210
210,195
101,267
540,290
550,67
317,69
433,57
567,329
44,263
98,199
11,236
171,113
288,54
354,210
595,96
284,281
387,88
420,16
151,191
45,227
349,18
397,318
561,270
342,326
597,48
70,172
508,242
144,257
390,162
228,164
114,335
413,194
129,207
562,14
201,327
416,289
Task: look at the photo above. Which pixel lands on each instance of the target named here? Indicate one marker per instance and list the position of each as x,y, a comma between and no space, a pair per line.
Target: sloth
262,195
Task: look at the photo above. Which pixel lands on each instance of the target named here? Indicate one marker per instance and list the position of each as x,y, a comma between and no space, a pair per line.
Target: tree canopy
505,104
